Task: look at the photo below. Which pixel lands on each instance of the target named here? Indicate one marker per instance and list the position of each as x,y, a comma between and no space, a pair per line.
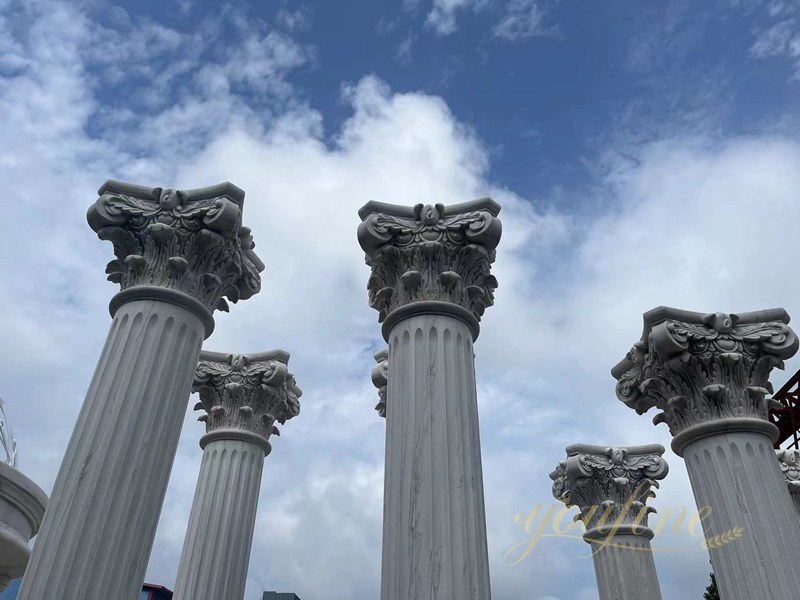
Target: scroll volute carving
241,393
188,241
435,253
699,368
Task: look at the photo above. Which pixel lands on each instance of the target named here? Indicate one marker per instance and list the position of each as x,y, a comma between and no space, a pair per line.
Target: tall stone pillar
610,487
709,375
789,463
178,253
243,397
430,283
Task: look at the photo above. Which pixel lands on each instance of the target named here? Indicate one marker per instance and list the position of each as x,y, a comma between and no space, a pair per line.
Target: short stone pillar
430,283
789,462
610,487
22,507
177,254
709,375
243,396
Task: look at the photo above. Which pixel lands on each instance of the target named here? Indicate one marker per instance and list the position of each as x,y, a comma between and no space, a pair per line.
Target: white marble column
177,254
243,396
789,463
709,374
610,487
431,282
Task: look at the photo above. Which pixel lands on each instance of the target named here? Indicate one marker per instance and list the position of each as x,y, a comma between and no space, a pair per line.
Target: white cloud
442,16
782,38
522,19
295,20
688,223
404,49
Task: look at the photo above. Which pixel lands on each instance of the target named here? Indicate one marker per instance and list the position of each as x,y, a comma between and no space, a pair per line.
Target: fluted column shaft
625,568
611,487
708,374
178,254
98,529
736,474
216,551
434,529
242,396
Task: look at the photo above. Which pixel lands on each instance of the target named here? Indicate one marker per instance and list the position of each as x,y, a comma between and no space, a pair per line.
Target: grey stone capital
701,368
245,393
610,486
431,253
380,379
189,242
789,461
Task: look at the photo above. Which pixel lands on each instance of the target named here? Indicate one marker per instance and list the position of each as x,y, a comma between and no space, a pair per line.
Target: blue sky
644,153
544,83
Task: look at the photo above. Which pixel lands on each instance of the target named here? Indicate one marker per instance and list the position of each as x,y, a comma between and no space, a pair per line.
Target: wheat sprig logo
723,538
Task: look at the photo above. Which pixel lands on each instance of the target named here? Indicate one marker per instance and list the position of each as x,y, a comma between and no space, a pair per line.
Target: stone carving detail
432,255
789,461
380,379
610,485
189,241
701,368
242,393
7,441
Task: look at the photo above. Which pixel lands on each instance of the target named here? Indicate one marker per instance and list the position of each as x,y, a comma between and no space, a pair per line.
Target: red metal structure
155,592
787,418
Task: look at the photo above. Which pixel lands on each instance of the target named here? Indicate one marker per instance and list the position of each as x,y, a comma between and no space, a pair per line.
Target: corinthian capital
188,241
246,392
430,253
699,368
610,486
789,461
380,379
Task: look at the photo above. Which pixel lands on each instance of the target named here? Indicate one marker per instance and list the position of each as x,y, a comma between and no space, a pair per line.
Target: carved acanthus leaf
242,393
430,256
180,240
697,372
610,485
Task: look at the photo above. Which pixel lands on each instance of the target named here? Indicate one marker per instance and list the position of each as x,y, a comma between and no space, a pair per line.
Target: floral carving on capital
610,485
191,242
246,394
698,372
432,255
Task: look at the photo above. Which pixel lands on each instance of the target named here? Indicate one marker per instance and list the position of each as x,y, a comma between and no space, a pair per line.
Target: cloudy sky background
644,153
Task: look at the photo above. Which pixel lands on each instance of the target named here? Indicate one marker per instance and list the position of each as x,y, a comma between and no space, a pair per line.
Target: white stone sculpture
789,462
178,253
243,396
610,486
430,283
709,375
7,441
380,379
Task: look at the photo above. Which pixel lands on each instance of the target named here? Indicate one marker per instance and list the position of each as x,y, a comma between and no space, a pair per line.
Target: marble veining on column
434,529
431,282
